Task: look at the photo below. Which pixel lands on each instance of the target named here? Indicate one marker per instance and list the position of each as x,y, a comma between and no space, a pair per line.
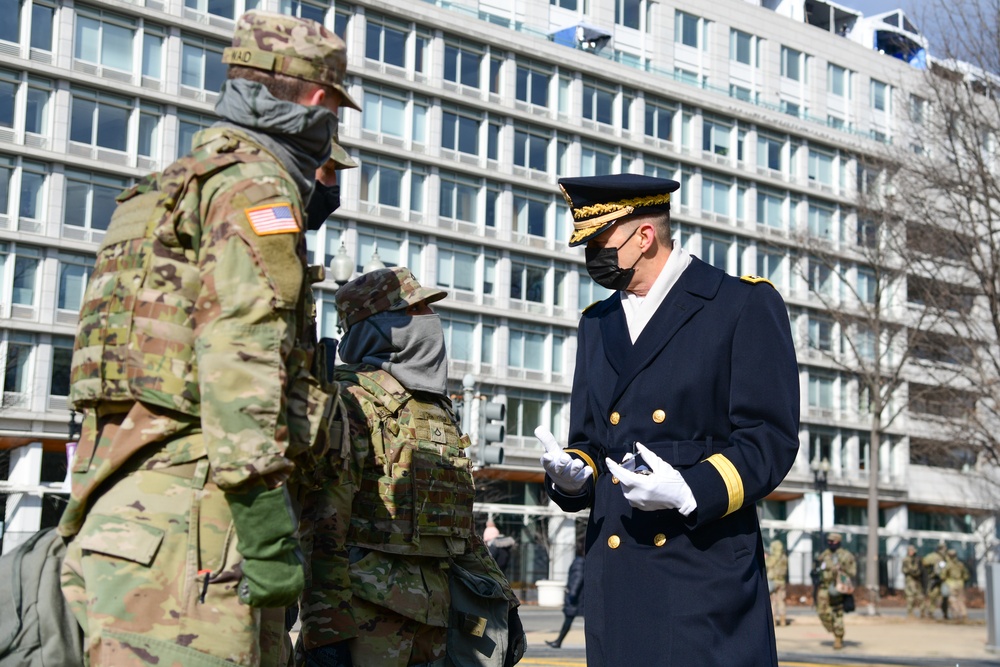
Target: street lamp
375,263
820,469
341,266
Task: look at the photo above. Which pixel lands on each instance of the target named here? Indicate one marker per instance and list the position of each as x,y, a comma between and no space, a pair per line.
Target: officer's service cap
379,291
597,202
834,537
296,47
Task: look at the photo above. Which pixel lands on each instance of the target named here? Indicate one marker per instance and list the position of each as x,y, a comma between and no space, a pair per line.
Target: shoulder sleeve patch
272,219
756,279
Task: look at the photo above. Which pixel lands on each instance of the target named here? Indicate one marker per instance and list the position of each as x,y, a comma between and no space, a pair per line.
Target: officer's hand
569,474
663,488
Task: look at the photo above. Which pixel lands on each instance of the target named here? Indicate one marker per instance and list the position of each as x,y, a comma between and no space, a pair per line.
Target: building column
562,546
24,510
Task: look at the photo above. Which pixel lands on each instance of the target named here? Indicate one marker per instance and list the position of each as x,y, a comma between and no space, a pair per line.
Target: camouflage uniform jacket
912,567
777,567
198,325
834,564
394,514
955,572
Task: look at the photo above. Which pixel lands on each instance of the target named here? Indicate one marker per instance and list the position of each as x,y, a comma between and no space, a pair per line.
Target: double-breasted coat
711,386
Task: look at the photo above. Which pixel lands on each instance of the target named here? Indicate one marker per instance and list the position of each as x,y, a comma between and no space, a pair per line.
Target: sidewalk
870,637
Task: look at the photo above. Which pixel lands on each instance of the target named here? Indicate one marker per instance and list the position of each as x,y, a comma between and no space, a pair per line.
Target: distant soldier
776,563
934,564
836,565
913,572
194,366
954,577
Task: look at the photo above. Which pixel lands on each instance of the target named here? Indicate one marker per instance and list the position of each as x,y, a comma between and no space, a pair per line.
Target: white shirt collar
638,309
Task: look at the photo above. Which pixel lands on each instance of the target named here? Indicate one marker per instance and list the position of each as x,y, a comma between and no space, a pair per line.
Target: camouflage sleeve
326,602
252,278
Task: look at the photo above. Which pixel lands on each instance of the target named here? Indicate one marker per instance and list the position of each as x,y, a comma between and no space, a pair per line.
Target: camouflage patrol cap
834,537
952,552
379,291
296,47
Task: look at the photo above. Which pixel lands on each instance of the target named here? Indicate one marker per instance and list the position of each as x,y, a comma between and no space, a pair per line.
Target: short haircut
660,221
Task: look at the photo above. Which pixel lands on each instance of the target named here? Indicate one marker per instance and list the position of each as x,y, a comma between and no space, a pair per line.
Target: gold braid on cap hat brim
633,203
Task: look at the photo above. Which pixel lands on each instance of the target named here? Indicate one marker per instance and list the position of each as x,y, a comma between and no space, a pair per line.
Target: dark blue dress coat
711,386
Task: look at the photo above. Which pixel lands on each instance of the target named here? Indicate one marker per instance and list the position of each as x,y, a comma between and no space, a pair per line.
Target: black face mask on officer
325,200
602,265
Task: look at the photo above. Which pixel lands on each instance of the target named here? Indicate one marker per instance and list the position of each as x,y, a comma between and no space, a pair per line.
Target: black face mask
602,265
833,546
324,201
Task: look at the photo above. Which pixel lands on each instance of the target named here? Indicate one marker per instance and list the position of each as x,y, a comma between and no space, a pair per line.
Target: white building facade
471,113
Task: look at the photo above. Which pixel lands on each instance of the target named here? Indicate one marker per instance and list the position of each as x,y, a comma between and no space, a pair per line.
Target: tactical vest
135,338
416,488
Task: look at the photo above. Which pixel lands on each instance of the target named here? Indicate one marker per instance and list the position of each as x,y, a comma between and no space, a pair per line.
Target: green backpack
37,628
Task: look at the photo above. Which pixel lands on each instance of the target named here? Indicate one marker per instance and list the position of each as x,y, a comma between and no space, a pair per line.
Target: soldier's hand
662,488
273,565
568,473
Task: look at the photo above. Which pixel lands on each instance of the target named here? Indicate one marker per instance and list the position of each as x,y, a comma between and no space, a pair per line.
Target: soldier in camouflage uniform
399,508
913,572
955,575
934,564
776,563
193,366
835,564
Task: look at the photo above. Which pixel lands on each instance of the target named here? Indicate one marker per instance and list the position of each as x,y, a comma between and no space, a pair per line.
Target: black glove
517,640
331,655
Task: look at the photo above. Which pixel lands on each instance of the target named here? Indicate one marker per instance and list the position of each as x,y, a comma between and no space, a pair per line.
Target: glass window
17,369
769,205
820,277
659,119
74,271
104,39
36,112
686,29
10,28
459,335
62,359
385,41
99,119
460,132
527,281
149,124
303,10
530,150
152,53
461,64
741,47
530,213
820,390
527,347
820,166
820,221
201,65
628,13
389,249
26,263
532,85
419,121
190,124
569,4
32,191
715,194
867,285
771,265
880,96
382,180
458,197
769,152
385,112
836,80
715,250
596,160
821,333
791,64
90,199
716,136
589,291
6,176
524,414
598,102
9,82
42,15
456,266
496,67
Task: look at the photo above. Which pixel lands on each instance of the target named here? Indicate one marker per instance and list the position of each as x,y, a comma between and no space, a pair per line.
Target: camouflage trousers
387,639
152,577
956,601
778,607
830,613
914,596
932,601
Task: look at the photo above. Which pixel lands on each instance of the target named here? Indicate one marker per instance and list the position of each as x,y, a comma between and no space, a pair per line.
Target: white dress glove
568,473
660,489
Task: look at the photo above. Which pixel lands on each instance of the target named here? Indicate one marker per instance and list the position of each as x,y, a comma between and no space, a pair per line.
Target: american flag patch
272,219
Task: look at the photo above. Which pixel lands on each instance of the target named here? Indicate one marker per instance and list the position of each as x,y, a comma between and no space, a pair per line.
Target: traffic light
491,430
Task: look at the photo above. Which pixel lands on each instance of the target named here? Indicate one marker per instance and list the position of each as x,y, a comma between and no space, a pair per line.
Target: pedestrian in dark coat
685,413
573,602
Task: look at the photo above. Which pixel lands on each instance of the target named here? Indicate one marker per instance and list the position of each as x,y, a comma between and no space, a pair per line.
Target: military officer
193,365
777,579
836,565
396,513
685,413
913,572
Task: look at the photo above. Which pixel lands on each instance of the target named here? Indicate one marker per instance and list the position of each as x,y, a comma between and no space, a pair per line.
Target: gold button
659,539
614,480
659,416
615,417
614,541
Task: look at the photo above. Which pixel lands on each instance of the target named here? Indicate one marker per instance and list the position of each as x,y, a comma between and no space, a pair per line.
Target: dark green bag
484,630
37,628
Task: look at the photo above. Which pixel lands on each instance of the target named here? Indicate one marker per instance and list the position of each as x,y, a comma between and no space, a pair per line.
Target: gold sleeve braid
731,478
